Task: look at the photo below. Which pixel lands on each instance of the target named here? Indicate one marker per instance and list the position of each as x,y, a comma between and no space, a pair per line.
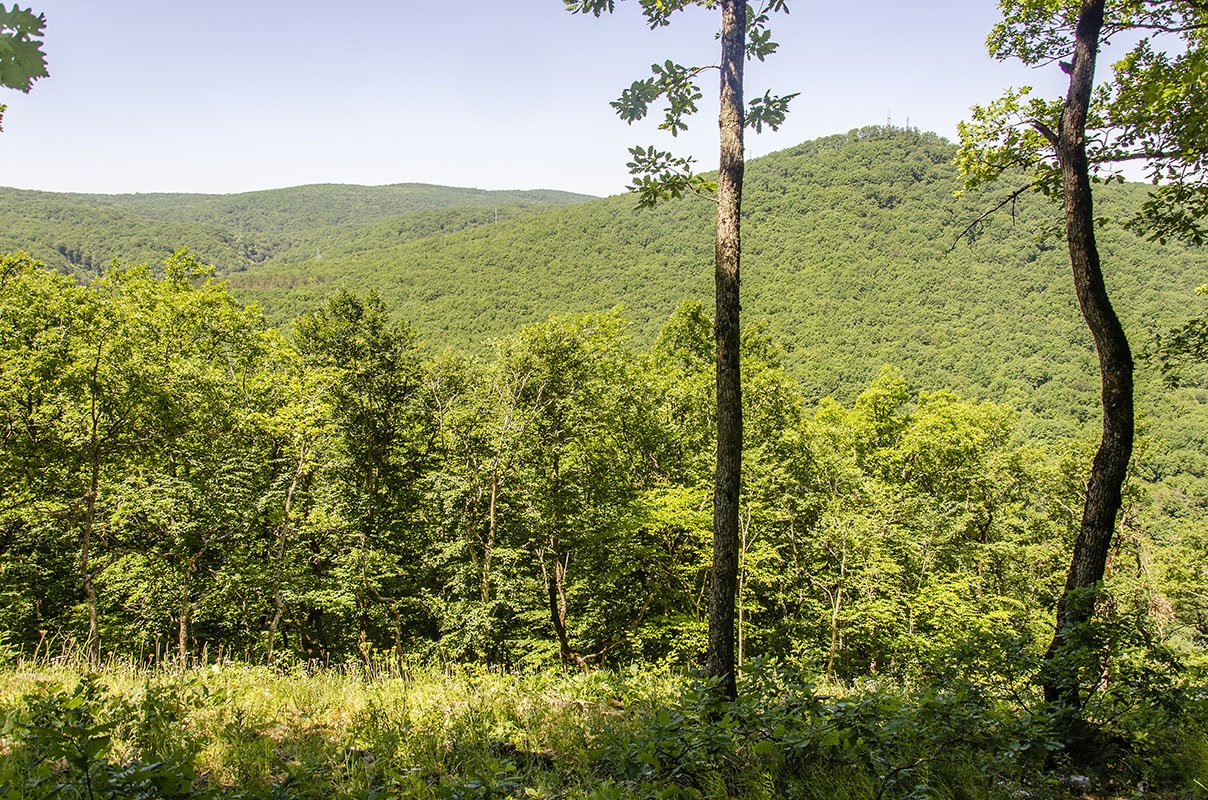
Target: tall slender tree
723,584
1150,111
660,175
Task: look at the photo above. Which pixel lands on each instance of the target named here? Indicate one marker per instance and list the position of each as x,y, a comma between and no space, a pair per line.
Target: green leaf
21,58
768,110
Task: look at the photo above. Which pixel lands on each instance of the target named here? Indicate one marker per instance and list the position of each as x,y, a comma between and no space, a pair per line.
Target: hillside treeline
182,480
848,255
80,234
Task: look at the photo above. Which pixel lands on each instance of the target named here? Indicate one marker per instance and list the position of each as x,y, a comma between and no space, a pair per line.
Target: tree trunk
723,582
744,531
1110,465
182,630
836,599
186,612
92,647
488,547
279,554
555,574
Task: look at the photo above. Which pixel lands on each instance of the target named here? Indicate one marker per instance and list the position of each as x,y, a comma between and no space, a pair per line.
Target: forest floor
464,732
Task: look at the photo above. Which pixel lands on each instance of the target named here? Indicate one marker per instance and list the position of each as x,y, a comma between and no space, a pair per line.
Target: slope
848,256
80,233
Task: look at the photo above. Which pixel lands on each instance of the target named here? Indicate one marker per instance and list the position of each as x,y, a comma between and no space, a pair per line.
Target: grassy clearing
461,732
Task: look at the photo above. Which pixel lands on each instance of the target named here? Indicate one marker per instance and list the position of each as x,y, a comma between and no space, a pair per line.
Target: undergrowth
463,733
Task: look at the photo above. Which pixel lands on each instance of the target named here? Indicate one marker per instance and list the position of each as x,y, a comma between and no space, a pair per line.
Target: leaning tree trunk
1103,494
723,583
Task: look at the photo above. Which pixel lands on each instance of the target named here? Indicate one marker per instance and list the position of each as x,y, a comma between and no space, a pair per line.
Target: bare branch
1008,200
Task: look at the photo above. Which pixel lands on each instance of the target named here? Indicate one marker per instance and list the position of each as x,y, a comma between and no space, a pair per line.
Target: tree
172,505
481,418
1180,347
373,388
21,58
744,34
123,447
1150,111
39,314
580,457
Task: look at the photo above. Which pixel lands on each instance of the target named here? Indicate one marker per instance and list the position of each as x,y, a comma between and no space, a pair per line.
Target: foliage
65,749
452,733
658,174
21,58
1179,348
1149,111
348,496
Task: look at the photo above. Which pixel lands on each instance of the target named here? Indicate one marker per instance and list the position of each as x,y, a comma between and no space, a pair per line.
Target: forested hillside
851,256
78,238
82,233
848,256
447,444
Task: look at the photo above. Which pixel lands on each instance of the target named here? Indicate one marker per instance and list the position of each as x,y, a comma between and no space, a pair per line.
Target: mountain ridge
848,257
81,232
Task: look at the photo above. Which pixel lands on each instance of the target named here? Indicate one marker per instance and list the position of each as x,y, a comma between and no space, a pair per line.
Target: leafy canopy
21,58
1150,111
659,174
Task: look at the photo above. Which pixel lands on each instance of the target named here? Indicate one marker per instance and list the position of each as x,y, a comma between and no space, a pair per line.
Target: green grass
464,732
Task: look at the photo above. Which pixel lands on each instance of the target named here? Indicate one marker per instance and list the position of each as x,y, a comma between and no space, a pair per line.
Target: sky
229,96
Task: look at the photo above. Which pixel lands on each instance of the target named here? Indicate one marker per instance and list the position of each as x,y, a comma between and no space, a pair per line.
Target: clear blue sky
225,96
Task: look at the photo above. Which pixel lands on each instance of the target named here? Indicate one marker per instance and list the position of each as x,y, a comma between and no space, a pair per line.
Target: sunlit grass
243,731
240,725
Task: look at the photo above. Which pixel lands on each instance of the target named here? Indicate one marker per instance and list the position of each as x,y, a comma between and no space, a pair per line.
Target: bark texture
724,579
1108,471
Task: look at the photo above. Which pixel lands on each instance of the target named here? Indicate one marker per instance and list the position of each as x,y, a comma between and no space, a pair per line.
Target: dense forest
413,491
341,487
502,456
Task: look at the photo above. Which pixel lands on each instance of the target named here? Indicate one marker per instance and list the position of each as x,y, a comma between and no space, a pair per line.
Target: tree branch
1045,131
1008,200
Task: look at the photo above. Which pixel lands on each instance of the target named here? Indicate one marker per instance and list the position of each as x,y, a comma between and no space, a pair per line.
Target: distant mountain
324,205
848,257
82,232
